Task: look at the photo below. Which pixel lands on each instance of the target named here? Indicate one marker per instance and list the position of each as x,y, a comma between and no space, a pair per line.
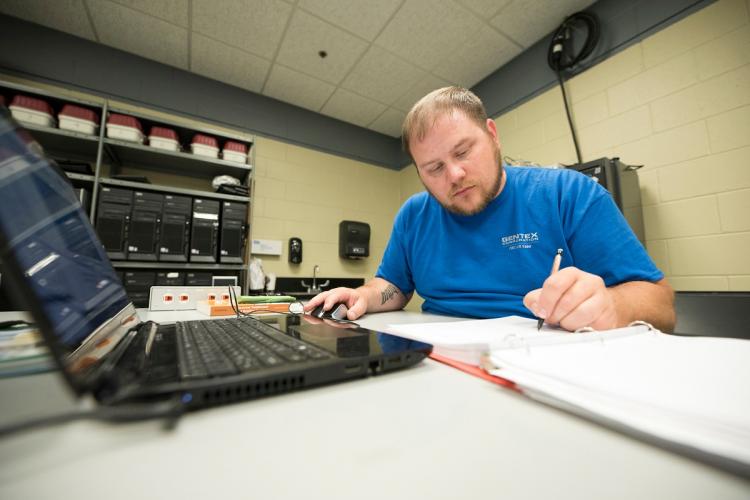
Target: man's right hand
354,300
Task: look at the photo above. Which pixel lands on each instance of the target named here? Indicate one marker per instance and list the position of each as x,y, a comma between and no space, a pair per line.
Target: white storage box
124,133
31,116
163,138
163,143
235,156
78,119
203,150
78,125
234,151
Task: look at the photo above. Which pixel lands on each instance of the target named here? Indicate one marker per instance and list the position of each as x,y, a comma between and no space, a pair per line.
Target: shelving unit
172,172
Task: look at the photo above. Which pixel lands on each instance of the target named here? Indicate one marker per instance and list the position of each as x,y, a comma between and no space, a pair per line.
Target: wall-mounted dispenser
295,250
354,239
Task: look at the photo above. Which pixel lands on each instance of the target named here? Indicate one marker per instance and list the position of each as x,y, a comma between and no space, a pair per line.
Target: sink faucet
315,288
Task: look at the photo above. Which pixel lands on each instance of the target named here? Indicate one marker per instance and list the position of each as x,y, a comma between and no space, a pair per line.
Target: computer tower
145,226
170,278
621,181
174,237
113,220
233,231
204,234
138,286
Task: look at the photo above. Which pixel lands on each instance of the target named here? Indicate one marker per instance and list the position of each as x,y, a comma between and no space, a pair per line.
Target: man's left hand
574,299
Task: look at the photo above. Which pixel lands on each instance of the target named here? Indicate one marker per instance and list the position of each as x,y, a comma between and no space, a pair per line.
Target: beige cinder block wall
678,103
304,193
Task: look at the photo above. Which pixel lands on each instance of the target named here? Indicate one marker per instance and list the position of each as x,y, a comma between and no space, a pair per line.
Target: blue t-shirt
481,266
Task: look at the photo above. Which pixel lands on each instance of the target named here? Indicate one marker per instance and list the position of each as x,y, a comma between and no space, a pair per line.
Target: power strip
183,298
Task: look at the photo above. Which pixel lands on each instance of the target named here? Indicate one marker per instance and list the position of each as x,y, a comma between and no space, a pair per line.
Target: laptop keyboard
224,347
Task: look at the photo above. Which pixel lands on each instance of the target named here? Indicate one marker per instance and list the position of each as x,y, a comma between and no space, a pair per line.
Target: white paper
688,390
467,341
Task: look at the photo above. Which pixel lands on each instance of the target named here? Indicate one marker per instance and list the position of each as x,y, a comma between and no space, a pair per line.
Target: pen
555,268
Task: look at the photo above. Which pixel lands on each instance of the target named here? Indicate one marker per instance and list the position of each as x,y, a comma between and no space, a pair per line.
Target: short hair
436,104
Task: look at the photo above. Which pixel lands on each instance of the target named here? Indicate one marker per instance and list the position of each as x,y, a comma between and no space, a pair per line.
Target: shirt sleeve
394,267
600,238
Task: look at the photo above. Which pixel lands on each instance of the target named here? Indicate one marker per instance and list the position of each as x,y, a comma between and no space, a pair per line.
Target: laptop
61,274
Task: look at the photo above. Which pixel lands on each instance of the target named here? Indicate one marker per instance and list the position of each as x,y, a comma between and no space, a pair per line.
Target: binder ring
642,323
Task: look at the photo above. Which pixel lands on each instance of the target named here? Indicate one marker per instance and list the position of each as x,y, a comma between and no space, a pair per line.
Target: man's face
459,163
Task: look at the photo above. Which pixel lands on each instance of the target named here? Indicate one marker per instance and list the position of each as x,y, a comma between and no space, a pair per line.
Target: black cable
561,59
234,303
171,410
570,119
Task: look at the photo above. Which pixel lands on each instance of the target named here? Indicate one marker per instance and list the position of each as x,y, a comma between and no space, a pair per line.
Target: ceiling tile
307,35
528,21
352,108
382,76
251,25
484,52
389,123
419,90
63,15
365,18
295,88
424,31
140,34
484,8
224,63
174,11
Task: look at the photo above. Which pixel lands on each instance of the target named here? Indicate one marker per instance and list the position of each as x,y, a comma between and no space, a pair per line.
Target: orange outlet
184,297
167,298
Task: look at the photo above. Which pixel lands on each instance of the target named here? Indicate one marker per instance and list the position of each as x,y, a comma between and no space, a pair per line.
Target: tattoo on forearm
387,294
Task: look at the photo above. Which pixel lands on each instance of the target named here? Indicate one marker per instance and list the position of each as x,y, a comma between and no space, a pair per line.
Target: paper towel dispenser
354,239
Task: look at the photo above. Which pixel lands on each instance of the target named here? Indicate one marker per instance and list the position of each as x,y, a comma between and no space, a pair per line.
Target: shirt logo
519,240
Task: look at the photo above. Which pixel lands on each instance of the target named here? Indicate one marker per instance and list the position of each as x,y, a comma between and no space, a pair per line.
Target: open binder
689,394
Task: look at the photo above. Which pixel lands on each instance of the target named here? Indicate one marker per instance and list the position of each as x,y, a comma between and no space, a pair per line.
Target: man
482,242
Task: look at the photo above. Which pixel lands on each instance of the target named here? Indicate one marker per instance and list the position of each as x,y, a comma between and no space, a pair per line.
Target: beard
487,196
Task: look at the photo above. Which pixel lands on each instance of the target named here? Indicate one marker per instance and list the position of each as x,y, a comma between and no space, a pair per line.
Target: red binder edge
476,371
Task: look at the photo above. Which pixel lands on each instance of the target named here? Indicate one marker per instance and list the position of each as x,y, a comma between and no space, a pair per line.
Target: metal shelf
130,264
135,154
79,177
172,190
55,140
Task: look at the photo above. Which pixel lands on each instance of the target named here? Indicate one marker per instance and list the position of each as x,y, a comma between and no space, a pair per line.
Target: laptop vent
239,392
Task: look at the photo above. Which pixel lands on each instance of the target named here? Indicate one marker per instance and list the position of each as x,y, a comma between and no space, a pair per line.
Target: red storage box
163,138
205,145
78,119
32,110
124,127
234,151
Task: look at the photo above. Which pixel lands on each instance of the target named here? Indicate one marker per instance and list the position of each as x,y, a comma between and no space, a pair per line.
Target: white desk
427,432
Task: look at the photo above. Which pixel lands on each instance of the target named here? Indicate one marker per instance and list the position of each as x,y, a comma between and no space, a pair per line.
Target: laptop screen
47,238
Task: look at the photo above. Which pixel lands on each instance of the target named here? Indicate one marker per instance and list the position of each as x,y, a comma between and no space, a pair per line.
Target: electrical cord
570,119
560,59
171,410
235,304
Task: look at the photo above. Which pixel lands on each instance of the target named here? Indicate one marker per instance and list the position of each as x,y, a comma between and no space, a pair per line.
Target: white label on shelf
266,247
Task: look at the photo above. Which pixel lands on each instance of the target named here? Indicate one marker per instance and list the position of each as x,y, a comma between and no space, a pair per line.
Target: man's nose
456,171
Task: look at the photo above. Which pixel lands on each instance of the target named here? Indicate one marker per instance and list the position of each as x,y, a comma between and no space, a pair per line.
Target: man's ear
492,129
